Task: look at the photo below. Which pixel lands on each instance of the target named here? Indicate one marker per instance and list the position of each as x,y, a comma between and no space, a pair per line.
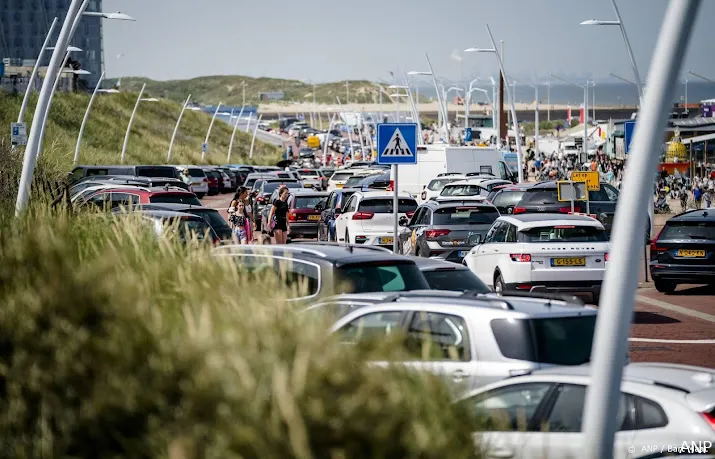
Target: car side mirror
476,239
403,221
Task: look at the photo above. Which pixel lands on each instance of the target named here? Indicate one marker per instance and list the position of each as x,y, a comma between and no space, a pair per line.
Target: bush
114,344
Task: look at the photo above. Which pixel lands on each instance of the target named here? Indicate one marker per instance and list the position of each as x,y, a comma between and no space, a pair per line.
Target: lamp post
233,135
253,140
509,95
626,80
131,121
208,133
415,73
468,101
440,103
84,120
709,80
31,82
585,109
176,128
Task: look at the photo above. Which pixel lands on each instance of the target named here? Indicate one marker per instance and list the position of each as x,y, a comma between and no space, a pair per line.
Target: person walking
185,176
279,217
239,222
708,197
697,196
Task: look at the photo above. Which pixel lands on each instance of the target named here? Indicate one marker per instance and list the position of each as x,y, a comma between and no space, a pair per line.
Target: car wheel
499,286
664,286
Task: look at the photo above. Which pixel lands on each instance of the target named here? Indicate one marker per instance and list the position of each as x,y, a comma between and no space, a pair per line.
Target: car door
442,345
369,327
342,220
488,253
509,414
561,434
417,231
324,216
650,424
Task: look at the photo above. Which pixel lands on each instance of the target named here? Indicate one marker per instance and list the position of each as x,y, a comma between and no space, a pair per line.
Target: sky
325,40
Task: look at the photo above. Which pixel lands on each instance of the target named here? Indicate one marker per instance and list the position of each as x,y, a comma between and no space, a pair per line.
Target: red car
304,213
111,198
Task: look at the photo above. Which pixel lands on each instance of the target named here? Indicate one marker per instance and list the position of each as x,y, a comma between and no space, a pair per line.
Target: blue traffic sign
397,143
468,134
628,131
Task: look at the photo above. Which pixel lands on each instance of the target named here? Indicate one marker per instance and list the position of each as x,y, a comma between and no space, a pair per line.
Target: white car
339,177
541,415
434,187
468,187
367,218
199,182
543,253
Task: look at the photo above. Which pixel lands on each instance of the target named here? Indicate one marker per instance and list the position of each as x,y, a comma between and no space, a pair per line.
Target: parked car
304,213
80,172
661,404
311,178
149,182
372,182
444,275
505,199
542,252
338,179
464,188
215,181
368,218
328,270
684,251
446,229
475,339
187,227
359,175
435,186
232,177
252,177
199,180
326,224
112,198
263,198
212,216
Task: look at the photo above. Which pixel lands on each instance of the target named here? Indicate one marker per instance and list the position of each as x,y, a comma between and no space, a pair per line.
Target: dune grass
116,344
149,139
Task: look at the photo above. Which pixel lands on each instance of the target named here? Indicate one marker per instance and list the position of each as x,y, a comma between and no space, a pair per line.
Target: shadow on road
652,318
695,291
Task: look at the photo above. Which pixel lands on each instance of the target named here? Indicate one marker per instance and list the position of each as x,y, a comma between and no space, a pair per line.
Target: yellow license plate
338,185
307,185
313,217
568,261
691,253
385,240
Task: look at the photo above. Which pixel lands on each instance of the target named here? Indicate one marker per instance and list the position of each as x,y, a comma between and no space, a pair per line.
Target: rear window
307,202
341,176
379,277
439,183
196,172
508,198
309,173
563,233
175,198
689,230
354,180
157,171
463,190
271,187
384,205
554,340
549,196
454,279
465,216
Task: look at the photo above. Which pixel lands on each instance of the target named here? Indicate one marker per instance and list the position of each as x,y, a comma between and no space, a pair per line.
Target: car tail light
391,186
567,210
606,257
710,418
424,196
523,287
519,210
205,180
434,234
363,215
217,241
292,216
520,257
410,214
654,243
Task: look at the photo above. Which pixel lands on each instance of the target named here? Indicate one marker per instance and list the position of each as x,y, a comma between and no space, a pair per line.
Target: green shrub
114,344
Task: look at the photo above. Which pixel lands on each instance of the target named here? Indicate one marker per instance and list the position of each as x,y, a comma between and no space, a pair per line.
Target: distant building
272,95
24,25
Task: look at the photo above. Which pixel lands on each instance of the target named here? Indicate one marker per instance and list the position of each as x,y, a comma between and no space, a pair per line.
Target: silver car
471,339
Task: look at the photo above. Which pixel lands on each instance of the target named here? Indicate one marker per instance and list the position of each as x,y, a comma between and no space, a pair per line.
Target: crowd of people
697,193
558,166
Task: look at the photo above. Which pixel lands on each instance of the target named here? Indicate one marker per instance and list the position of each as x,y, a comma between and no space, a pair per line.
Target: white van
433,160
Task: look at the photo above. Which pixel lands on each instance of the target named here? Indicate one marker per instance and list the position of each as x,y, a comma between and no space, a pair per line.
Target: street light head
70,49
81,72
599,23
480,50
150,99
397,86
419,73
119,16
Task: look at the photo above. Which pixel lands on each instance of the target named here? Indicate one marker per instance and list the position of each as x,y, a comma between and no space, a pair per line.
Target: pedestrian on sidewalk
708,197
239,222
697,196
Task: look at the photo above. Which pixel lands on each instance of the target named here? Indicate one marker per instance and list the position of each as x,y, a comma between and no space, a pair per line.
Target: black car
215,181
315,270
231,175
80,172
326,224
211,216
370,182
446,228
443,275
684,251
505,199
543,198
148,182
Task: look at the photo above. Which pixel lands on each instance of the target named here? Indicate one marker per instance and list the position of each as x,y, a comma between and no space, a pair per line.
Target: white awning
699,138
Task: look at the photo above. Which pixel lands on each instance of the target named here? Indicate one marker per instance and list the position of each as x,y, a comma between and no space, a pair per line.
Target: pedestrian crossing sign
397,143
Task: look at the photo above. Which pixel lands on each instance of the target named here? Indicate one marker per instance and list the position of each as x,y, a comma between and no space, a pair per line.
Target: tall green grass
149,139
116,344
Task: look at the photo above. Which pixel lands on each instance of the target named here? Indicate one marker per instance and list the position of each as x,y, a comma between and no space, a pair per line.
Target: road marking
674,308
673,341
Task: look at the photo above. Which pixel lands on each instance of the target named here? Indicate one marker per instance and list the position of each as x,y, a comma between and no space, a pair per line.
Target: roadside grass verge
116,344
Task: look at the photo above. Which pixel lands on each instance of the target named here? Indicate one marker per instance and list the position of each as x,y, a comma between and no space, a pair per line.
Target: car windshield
157,171
467,215
175,198
507,198
379,277
563,233
439,183
341,176
463,190
454,279
213,218
384,205
553,340
542,196
308,202
688,230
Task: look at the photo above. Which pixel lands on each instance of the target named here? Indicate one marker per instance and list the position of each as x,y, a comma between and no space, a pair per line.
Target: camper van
433,160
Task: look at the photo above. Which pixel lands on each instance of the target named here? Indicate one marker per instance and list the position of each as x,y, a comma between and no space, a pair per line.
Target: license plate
307,185
313,217
384,240
568,261
691,253
338,185
462,253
